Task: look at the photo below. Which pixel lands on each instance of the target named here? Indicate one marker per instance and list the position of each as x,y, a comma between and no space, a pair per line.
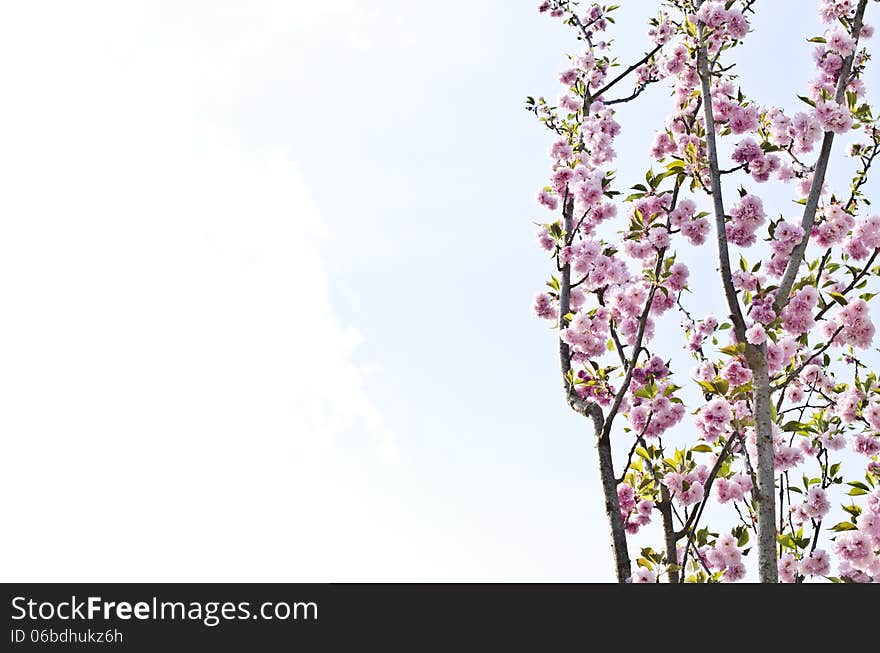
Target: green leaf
843,526
807,100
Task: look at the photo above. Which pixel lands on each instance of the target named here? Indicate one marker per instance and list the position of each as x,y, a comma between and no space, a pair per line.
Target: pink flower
546,198
744,482
737,25
544,307
797,316
865,237
725,491
736,373
857,327
762,309
787,457
561,151
743,119
692,494
663,145
713,14
659,237
853,547
569,77
756,335
816,564
714,419
662,32
747,151
695,230
678,277
643,575
735,572
869,524
545,240
872,414
833,441
570,104
867,445
805,131
788,567
831,10
840,42
747,215
834,117
816,504
626,496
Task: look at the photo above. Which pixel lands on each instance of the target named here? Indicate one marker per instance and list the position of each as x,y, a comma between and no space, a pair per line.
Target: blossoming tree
788,423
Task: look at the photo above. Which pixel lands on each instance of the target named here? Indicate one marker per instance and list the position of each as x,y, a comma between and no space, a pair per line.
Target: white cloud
174,380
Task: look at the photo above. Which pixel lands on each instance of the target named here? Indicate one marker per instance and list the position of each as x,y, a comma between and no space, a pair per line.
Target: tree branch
809,217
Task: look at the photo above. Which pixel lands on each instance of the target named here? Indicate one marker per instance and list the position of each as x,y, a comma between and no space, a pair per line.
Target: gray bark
764,494
594,412
809,217
756,357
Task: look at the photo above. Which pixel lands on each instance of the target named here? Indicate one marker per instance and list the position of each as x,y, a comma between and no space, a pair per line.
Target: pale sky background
266,270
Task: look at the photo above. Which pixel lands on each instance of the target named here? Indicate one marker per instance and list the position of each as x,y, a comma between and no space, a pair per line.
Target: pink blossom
569,77
787,566
805,131
546,198
857,329
756,335
867,445
797,316
762,309
737,25
831,10
678,277
695,230
816,504
840,42
714,419
726,491
662,32
816,564
853,547
736,373
865,238
544,307
643,575
545,240
834,117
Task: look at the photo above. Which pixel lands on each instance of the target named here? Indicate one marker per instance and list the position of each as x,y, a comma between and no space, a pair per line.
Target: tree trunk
765,493
612,504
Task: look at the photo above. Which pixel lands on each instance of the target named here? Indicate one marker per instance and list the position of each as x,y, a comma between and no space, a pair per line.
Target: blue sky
268,269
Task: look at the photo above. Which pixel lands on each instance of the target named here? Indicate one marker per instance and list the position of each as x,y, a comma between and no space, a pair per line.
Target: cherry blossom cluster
620,266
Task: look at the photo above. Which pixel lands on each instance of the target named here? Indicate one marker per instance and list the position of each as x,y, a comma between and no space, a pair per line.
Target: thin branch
809,217
861,275
717,199
695,515
626,72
